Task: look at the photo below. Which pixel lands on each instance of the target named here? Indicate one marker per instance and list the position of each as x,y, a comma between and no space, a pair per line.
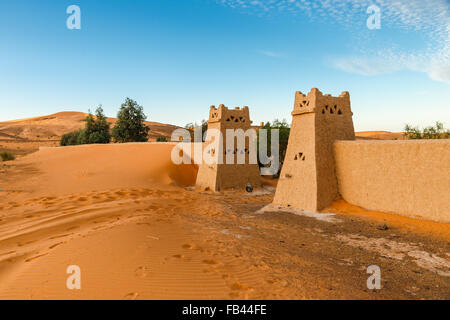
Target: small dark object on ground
249,188
383,227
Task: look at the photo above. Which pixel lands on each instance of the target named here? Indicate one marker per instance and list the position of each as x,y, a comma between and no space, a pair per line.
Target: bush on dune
96,131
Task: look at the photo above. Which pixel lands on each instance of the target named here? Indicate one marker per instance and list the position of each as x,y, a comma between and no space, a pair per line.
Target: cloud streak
430,18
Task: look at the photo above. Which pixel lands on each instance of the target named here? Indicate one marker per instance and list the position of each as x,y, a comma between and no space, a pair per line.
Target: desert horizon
22,136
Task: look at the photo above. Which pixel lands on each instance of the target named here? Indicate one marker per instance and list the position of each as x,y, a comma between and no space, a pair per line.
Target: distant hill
379,135
27,135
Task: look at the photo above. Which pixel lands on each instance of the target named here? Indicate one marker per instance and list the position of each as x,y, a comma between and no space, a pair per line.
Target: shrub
130,126
70,139
96,130
433,132
7,156
161,139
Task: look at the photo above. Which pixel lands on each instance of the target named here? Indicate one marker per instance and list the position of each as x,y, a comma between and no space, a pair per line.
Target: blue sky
176,58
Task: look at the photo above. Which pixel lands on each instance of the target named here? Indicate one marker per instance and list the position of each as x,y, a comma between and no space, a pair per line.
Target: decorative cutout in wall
300,156
332,110
304,104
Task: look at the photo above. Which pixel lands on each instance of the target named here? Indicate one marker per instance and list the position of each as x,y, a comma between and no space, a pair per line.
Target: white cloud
440,73
270,54
430,18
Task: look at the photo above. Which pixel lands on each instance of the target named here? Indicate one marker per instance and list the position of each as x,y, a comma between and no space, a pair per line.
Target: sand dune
27,135
127,217
379,135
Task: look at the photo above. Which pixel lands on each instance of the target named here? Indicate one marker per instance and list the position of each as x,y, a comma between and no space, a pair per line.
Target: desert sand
136,227
27,135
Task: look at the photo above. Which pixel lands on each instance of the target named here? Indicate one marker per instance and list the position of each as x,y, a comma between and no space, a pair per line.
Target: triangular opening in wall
340,112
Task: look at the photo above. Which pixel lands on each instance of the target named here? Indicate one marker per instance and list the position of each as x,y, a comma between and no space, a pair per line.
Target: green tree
130,126
161,139
432,132
96,130
100,128
284,132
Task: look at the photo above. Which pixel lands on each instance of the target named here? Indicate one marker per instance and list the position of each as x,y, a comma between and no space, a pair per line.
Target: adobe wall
410,178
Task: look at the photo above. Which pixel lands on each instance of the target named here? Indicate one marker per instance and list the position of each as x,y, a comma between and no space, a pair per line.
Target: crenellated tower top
316,102
236,117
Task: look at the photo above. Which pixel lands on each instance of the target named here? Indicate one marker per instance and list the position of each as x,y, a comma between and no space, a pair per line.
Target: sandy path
137,234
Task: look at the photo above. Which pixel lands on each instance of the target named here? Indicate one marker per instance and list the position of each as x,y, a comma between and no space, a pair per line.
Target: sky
176,58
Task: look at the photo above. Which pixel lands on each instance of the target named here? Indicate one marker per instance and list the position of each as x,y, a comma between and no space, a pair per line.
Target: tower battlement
316,102
236,117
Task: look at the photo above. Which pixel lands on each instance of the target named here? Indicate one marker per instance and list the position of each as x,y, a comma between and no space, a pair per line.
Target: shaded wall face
297,186
411,178
333,122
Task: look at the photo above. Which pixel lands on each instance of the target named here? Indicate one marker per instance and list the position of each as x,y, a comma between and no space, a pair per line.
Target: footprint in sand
142,272
21,244
7,253
240,287
55,245
61,236
240,291
131,296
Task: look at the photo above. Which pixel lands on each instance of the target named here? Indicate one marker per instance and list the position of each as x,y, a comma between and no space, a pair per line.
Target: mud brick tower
220,176
308,179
